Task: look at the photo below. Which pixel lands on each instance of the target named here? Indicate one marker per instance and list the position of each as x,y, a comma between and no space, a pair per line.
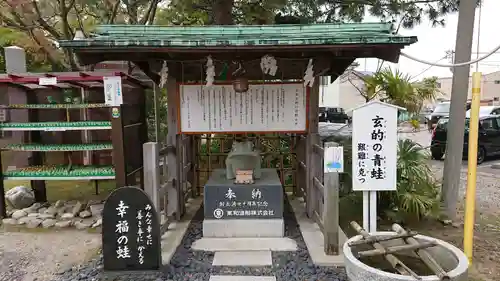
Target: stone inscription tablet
130,232
225,200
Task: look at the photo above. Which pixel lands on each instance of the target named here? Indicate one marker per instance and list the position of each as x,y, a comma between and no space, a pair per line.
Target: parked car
485,111
488,138
333,115
441,110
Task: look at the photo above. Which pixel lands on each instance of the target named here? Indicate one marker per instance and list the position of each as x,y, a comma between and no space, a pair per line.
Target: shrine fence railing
277,152
170,189
319,190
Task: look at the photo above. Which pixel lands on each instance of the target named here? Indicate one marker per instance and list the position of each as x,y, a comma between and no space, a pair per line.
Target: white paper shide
374,152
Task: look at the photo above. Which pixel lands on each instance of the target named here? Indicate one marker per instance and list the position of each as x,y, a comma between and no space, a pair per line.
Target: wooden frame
126,162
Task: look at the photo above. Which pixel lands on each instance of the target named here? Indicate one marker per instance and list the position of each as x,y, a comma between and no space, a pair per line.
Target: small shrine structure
243,84
69,126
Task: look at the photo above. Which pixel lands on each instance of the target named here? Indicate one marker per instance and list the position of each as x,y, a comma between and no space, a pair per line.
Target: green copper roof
240,36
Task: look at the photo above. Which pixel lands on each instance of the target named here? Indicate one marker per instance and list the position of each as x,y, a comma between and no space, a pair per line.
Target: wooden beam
117,140
144,67
175,197
313,109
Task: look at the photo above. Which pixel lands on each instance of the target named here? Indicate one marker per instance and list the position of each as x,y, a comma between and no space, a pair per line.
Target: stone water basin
451,259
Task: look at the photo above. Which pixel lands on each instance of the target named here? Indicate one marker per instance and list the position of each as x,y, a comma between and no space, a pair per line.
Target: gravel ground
39,256
197,265
488,180
487,187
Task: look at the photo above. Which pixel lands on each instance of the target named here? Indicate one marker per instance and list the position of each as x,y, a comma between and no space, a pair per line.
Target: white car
485,111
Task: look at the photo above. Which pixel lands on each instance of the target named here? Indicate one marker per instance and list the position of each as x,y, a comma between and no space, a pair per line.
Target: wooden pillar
143,130
331,210
175,191
194,158
181,182
36,158
312,131
117,140
3,207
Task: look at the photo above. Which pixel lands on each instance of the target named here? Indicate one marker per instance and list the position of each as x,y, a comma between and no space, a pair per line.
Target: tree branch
67,30
47,27
152,6
12,24
112,18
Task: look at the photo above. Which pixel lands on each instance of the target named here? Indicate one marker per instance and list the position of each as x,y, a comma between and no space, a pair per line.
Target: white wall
490,86
343,92
329,94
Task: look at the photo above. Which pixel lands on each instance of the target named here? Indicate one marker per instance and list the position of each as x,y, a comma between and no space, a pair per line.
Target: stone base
244,228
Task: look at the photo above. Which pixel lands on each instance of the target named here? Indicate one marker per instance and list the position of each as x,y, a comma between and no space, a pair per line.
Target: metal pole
470,198
478,36
456,126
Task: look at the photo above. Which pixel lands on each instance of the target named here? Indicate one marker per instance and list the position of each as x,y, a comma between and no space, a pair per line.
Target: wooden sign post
130,232
374,154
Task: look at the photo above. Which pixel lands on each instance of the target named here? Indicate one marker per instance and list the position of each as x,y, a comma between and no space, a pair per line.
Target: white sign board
113,91
263,108
374,147
334,159
47,81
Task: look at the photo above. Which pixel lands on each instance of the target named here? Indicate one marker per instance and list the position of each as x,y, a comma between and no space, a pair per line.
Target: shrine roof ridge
240,35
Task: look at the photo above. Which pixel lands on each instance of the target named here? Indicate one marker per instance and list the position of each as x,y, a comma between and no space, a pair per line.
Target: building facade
490,87
344,91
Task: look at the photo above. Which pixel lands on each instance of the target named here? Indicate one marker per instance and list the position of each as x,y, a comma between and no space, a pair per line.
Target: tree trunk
223,12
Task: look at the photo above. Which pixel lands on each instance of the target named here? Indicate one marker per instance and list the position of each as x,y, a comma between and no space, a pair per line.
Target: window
488,124
442,108
438,84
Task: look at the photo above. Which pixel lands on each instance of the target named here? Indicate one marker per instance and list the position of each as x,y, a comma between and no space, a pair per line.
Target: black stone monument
130,232
223,199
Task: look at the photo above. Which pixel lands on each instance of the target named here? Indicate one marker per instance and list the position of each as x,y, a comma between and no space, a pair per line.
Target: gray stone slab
313,237
223,199
245,244
241,278
243,228
243,258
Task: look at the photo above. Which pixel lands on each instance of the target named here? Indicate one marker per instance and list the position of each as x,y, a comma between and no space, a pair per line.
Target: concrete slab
241,278
245,244
313,237
249,228
172,238
243,258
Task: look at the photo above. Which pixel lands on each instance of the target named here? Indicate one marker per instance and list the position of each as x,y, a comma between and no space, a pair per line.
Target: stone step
246,228
241,278
245,244
243,258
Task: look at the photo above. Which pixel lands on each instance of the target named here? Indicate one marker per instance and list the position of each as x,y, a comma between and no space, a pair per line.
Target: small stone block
244,244
241,278
243,228
243,258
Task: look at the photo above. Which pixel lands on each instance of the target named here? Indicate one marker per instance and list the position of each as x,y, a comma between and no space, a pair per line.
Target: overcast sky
433,42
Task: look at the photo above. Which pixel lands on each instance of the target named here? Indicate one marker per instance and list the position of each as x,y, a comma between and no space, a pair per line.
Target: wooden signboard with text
263,108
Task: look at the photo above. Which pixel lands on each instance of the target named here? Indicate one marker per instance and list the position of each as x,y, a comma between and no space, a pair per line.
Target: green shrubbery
417,194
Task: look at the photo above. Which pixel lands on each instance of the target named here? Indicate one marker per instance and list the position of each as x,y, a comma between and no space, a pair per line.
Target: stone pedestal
243,210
